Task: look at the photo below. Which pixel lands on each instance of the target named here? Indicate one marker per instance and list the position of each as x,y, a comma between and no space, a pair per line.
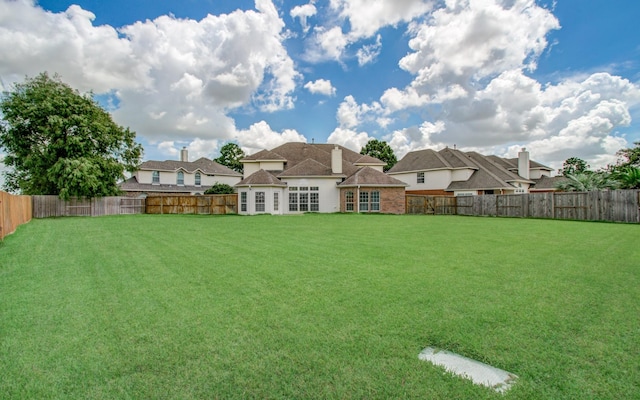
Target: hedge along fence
216,204
613,205
14,211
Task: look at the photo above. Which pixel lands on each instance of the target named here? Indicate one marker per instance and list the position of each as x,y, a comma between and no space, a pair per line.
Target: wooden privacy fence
207,204
14,211
613,205
53,206
436,205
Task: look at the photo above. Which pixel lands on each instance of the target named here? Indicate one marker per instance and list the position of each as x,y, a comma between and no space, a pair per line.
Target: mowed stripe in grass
316,306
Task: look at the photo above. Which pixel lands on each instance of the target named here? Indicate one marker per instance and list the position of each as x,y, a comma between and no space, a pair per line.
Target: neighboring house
454,172
301,177
178,177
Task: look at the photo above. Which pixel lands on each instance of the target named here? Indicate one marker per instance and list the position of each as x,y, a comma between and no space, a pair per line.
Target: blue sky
559,78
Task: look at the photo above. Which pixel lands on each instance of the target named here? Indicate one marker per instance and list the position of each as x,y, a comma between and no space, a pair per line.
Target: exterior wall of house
252,167
329,200
538,173
434,180
268,194
392,199
171,177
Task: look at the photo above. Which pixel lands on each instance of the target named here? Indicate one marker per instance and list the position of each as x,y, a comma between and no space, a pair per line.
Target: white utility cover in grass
479,373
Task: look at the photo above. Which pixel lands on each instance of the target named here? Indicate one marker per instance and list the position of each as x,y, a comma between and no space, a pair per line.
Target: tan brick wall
392,199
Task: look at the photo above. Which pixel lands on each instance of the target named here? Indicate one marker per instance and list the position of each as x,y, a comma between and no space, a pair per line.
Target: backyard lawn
317,306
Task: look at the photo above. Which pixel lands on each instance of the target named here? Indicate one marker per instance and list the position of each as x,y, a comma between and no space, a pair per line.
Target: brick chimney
184,155
523,163
336,160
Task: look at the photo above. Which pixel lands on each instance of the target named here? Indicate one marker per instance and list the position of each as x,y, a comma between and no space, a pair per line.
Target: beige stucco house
302,177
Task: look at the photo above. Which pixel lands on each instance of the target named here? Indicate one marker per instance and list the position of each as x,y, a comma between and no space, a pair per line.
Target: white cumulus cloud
260,136
302,13
321,86
171,78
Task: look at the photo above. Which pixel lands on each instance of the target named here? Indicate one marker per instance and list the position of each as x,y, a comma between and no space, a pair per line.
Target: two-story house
454,172
302,177
178,177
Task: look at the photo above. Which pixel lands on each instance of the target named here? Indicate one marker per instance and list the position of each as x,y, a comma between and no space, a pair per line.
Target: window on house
364,201
259,201
275,201
314,201
293,201
198,178
243,201
420,177
180,179
348,201
155,177
375,200
304,201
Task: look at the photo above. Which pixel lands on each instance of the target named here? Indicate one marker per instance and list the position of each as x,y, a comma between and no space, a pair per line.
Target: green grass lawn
317,306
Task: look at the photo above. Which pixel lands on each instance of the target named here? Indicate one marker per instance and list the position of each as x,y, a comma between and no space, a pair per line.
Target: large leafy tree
631,156
230,156
60,142
380,150
574,165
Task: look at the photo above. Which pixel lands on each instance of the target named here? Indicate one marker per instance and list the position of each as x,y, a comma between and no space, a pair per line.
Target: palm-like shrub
585,182
628,177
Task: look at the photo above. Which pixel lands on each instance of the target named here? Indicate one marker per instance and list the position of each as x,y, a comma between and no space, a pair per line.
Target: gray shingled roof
304,159
495,169
264,155
368,176
428,159
547,183
261,178
206,166
308,167
512,163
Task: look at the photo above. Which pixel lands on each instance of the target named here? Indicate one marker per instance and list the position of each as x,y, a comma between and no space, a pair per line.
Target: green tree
586,181
220,188
60,142
631,156
380,150
230,155
574,165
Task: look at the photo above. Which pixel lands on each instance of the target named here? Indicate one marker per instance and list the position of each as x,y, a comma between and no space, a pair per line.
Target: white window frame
363,201
180,178
155,177
243,201
260,201
420,177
